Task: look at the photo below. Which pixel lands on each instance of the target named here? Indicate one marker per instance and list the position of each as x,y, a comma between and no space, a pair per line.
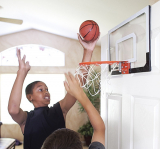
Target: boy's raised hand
72,85
22,64
73,88
88,45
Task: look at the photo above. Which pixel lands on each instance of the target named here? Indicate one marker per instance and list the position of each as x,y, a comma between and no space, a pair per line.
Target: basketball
89,30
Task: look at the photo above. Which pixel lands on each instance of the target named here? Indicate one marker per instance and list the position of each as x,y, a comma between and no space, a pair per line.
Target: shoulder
56,110
30,113
55,107
96,145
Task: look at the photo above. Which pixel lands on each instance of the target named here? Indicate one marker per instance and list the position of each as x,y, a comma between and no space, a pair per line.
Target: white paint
64,17
140,101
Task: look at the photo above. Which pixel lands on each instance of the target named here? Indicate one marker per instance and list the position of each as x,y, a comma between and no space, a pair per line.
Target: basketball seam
89,30
87,25
95,33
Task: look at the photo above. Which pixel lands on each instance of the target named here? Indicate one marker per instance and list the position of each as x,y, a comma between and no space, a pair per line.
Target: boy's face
40,96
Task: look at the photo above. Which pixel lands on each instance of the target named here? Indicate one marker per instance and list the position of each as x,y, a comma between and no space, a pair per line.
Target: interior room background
73,52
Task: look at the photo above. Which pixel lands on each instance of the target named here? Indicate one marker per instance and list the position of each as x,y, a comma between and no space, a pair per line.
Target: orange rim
101,62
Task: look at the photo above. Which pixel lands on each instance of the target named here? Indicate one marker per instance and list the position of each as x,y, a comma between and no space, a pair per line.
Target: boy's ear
29,97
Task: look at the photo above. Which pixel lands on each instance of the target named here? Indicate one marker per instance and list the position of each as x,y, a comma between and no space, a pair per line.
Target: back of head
63,139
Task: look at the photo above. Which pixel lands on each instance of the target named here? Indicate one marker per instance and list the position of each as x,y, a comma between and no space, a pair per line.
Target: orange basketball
89,30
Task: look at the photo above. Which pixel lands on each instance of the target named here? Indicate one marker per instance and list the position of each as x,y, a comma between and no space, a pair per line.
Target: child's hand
73,85
22,65
88,45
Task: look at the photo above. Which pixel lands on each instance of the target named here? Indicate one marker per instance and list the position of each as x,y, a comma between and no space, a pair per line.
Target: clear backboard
130,41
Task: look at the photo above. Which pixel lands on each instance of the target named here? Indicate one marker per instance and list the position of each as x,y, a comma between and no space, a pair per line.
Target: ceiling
64,17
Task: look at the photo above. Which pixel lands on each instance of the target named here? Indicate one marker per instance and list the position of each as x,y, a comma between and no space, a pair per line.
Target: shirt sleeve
96,145
59,112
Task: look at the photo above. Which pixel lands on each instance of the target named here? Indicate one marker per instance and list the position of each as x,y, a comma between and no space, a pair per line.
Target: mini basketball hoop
90,73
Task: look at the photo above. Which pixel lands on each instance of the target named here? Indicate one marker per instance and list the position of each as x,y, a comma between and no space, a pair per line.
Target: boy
68,139
38,124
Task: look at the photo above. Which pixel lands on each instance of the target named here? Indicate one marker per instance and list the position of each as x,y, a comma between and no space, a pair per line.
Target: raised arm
73,88
69,100
14,109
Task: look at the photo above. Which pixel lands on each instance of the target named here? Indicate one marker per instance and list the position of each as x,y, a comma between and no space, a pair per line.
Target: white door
132,111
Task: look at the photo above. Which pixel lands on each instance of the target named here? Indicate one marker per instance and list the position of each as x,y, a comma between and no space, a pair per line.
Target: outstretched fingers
78,80
79,37
24,58
22,63
75,79
82,42
71,76
18,54
71,79
72,85
68,78
66,86
28,66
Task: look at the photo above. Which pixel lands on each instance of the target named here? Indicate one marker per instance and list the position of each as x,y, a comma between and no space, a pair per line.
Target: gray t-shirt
96,145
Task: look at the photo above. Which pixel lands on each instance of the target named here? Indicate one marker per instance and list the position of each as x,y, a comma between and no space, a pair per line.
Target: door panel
132,111
114,125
